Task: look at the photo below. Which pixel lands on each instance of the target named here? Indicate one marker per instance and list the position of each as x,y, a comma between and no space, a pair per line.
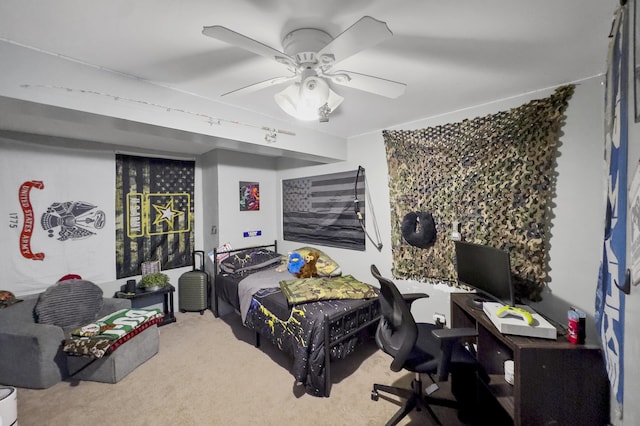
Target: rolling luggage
193,287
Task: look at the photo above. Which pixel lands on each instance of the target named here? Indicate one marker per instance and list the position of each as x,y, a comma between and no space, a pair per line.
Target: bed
255,283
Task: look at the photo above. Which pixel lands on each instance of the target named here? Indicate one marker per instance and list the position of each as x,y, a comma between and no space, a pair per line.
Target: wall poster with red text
57,204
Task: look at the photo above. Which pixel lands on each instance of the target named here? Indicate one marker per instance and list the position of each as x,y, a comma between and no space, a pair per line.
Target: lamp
311,99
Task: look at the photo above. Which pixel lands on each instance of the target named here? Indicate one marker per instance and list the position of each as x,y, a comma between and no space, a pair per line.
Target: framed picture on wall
320,209
249,196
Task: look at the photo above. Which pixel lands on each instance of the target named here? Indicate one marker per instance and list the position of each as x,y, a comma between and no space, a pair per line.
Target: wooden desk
556,383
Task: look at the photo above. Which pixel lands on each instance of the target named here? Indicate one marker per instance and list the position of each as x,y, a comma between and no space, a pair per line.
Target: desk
137,301
555,382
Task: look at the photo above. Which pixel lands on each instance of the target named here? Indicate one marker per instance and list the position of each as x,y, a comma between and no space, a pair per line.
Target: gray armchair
32,331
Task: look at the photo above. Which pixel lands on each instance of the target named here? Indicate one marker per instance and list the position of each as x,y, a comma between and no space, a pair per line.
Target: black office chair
417,347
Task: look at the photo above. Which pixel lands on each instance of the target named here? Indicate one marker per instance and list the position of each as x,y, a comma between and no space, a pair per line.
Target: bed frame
338,328
216,295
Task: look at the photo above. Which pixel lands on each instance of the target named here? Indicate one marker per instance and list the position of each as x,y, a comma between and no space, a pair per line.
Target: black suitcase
193,287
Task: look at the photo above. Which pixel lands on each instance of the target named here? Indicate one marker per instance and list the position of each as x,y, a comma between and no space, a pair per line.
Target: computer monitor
486,269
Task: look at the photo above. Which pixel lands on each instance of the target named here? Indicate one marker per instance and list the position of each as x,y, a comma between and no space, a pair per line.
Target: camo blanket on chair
104,336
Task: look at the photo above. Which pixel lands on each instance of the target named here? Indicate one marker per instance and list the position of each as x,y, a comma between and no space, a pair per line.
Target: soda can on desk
576,325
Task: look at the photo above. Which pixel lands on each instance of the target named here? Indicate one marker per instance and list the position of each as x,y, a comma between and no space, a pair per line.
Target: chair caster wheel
374,395
201,312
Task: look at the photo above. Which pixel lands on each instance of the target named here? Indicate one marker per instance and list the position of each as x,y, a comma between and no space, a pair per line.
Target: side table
138,300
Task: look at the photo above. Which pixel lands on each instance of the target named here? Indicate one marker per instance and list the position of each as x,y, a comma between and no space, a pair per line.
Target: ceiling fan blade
365,33
259,86
368,83
229,36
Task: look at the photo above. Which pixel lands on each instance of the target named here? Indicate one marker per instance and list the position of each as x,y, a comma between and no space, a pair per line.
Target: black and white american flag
320,210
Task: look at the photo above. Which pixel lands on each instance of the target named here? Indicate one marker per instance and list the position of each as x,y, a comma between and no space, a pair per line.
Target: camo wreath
419,229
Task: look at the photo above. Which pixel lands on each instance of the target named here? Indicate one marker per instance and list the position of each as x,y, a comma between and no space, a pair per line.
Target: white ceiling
451,54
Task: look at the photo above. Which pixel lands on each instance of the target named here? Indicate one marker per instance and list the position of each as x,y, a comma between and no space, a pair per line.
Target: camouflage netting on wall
494,175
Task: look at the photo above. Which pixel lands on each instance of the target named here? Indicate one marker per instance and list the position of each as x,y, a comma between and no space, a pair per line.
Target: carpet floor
208,372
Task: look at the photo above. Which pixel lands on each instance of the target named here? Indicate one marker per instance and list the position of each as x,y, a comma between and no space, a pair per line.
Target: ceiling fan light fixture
310,55
305,100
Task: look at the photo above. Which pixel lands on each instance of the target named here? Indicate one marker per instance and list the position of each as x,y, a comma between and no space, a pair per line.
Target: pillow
326,266
250,259
70,303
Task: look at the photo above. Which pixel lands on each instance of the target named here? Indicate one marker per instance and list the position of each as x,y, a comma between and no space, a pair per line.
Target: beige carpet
209,373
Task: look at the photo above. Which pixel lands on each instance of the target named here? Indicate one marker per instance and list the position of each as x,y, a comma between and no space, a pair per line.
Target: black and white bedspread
266,278
249,282
302,333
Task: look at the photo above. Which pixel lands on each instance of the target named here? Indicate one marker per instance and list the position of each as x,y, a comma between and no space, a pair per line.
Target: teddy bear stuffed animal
309,269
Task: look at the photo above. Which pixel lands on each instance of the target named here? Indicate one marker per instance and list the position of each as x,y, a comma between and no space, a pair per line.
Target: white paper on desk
517,326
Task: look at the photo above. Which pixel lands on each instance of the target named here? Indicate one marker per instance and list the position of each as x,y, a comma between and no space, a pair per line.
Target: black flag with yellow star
154,213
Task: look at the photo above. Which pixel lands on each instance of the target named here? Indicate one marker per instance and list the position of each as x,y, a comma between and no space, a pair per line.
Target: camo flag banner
492,176
154,213
58,211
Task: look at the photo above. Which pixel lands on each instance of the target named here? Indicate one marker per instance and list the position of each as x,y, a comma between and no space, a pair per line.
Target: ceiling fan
310,55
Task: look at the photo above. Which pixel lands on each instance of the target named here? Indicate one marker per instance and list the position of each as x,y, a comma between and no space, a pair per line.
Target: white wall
349,259
632,310
578,211
577,215
234,167
210,204
631,415
577,220
108,284
229,168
